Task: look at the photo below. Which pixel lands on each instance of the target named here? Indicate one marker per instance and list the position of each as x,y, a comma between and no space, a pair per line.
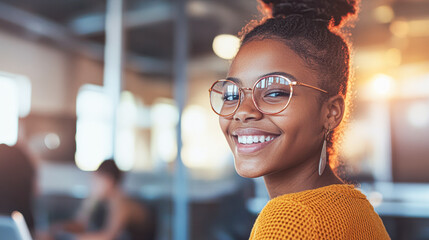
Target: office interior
82,81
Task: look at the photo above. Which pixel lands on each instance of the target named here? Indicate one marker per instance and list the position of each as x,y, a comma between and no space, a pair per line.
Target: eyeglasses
270,94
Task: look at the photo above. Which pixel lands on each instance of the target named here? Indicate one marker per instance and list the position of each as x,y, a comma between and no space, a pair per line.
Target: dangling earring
323,155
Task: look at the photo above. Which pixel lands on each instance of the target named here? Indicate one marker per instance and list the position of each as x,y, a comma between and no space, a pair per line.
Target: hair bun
331,11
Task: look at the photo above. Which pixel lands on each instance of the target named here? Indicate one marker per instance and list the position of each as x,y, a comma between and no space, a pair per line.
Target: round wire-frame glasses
260,83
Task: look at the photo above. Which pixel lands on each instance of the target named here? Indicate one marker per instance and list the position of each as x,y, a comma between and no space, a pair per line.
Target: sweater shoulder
337,212
285,219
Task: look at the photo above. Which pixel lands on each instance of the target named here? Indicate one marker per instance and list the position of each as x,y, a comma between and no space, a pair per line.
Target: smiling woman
280,109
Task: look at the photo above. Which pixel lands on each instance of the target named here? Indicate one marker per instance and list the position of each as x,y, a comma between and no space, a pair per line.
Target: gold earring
323,155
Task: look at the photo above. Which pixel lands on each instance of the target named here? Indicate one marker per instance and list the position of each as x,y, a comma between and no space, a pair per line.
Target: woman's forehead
263,57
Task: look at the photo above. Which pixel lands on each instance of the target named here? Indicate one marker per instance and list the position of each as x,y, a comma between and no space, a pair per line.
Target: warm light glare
226,46
399,28
393,57
384,14
382,85
412,28
369,59
355,141
419,28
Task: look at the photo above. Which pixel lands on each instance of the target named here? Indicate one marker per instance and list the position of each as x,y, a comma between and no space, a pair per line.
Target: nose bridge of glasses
243,93
248,89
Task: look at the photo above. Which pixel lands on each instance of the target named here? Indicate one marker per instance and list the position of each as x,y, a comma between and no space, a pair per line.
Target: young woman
280,109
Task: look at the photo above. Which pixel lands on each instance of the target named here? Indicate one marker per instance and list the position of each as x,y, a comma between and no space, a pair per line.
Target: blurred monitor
13,227
410,139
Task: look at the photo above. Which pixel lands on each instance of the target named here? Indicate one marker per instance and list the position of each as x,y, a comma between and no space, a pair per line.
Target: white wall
46,67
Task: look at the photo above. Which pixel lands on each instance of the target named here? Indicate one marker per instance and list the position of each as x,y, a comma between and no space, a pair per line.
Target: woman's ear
334,109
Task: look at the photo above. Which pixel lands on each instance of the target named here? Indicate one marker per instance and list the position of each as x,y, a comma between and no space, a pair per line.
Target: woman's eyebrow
236,80
287,75
284,74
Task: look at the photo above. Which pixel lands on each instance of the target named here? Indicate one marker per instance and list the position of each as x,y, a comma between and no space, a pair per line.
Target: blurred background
78,86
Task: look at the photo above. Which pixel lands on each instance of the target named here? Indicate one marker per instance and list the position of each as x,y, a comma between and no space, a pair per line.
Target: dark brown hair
17,179
109,168
311,29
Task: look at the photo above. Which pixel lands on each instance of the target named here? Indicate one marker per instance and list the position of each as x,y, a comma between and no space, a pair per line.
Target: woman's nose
247,110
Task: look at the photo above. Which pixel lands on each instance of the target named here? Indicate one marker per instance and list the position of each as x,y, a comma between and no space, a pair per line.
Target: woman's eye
230,97
278,94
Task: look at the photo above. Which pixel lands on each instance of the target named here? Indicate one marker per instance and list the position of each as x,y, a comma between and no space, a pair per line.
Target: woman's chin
247,170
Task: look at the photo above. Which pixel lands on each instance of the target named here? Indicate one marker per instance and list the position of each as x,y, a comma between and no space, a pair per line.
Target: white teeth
253,139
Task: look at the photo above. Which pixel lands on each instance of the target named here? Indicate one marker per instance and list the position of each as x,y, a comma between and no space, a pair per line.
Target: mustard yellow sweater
331,212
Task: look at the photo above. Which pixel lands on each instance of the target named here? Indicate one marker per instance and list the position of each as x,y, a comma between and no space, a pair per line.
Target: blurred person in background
108,213
280,110
17,183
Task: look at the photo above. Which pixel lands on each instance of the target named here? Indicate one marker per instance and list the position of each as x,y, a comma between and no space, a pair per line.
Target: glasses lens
224,97
272,94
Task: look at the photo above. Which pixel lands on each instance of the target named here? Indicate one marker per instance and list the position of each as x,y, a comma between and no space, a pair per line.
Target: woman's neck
297,180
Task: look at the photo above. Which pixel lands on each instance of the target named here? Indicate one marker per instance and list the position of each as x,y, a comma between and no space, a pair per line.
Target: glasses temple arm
306,85
214,91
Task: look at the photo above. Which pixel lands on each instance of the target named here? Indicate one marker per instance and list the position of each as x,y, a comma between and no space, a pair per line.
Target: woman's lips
252,144
249,140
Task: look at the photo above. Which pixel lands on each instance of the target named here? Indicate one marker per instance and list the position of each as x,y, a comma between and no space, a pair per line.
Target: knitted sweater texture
332,212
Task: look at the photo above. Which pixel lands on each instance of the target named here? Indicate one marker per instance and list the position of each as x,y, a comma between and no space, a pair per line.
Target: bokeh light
226,46
384,14
52,141
399,28
382,85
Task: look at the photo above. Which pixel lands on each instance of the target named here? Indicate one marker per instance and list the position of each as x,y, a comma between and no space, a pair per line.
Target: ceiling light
226,46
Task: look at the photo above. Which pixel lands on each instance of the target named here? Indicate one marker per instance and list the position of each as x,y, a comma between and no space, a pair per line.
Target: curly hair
311,28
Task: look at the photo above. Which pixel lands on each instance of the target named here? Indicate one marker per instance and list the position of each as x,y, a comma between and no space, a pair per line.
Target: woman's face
296,133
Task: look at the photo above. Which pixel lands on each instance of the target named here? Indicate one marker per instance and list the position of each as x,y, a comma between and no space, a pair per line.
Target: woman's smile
252,140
